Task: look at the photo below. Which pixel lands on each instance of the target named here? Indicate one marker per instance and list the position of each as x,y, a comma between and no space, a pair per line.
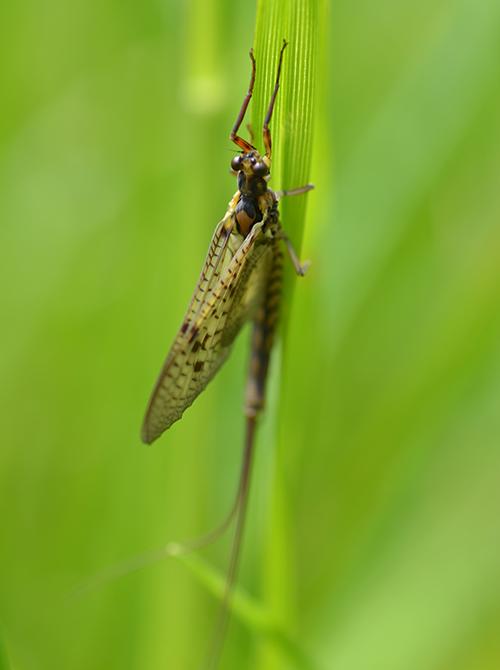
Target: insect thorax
255,200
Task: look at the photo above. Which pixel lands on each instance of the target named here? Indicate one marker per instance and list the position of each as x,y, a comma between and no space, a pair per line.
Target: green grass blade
248,611
4,661
291,127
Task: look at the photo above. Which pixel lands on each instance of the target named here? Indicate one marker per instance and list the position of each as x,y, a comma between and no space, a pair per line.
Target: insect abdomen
264,329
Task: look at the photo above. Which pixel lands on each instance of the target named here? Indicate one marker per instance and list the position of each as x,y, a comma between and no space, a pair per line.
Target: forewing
227,299
217,259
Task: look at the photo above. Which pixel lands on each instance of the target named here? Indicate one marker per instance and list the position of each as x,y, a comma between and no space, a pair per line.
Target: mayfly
240,281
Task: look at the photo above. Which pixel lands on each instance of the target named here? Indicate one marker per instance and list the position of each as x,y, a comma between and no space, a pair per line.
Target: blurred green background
113,173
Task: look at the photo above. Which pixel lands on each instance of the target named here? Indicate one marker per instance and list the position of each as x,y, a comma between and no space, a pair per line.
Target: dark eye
236,163
260,169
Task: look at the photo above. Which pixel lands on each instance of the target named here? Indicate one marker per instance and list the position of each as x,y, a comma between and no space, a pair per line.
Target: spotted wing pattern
226,296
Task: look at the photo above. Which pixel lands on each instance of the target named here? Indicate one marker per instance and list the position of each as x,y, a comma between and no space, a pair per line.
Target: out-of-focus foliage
113,172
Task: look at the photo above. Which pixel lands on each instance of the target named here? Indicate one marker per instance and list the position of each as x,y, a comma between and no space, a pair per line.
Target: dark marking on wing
227,300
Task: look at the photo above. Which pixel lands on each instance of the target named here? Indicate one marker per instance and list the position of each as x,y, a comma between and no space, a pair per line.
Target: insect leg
234,137
293,191
265,129
300,268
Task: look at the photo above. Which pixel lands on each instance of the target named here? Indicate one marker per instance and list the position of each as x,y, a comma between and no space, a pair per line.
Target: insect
240,281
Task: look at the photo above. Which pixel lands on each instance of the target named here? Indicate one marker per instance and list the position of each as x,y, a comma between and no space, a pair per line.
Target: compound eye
260,169
236,163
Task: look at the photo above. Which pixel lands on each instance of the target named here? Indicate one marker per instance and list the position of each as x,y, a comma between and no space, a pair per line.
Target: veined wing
213,319
218,257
